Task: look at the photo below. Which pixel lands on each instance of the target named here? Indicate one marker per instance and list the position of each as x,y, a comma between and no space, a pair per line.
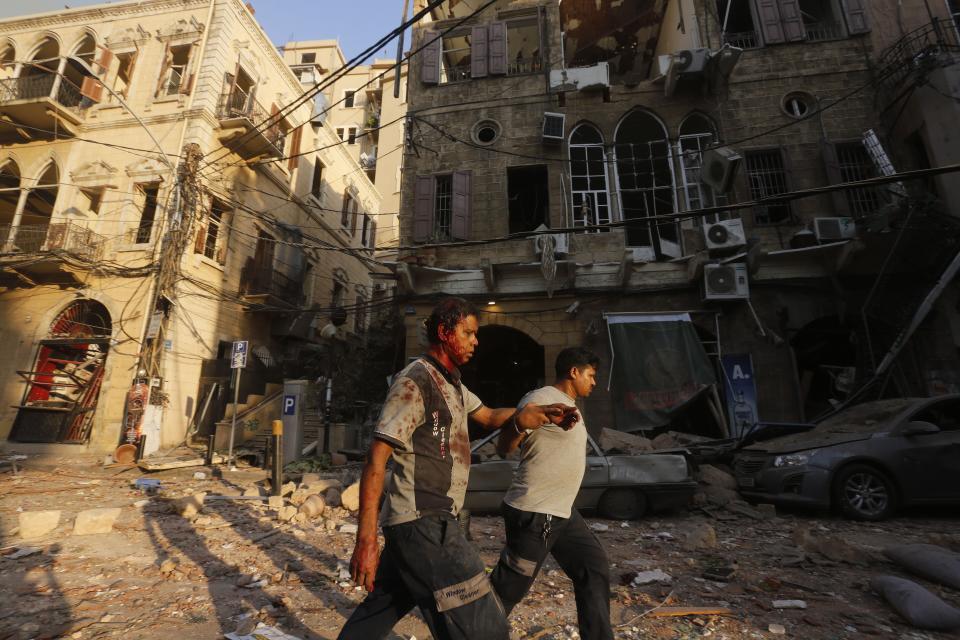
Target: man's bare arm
366,552
510,438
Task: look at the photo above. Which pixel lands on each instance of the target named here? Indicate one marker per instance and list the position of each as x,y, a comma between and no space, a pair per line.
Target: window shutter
423,208
201,240
768,15
792,21
189,73
497,46
104,60
133,65
858,19
295,148
460,223
92,88
430,58
225,221
353,218
373,234
831,163
164,68
478,53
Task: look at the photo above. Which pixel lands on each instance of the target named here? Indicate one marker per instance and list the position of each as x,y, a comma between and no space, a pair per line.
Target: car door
596,477
931,461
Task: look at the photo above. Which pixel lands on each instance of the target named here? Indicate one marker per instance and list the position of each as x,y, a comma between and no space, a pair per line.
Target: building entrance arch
507,364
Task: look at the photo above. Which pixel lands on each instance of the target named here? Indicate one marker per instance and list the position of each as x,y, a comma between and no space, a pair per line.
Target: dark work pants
576,550
428,563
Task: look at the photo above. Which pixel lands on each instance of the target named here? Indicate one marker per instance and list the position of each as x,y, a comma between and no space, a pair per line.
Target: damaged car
619,487
866,461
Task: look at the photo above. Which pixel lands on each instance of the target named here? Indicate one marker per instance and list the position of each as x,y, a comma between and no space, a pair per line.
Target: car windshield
864,418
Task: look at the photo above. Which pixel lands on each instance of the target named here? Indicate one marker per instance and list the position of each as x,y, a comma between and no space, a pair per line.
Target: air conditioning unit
834,229
554,125
560,241
691,60
726,234
581,78
719,168
725,282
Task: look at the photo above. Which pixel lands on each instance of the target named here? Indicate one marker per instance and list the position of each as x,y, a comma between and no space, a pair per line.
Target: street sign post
238,361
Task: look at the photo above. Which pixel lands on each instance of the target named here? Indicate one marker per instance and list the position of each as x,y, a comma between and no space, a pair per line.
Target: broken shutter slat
423,209
792,21
831,163
768,15
460,222
497,47
478,53
92,88
201,241
857,16
430,58
295,148
373,234
189,71
104,60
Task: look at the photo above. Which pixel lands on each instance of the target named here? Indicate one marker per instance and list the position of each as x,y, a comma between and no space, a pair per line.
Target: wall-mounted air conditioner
726,234
559,241
834,229
691,60
554,125
726,282
581,78
719,168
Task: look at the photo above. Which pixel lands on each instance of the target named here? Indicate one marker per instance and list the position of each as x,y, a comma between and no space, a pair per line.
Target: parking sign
238,359
289,405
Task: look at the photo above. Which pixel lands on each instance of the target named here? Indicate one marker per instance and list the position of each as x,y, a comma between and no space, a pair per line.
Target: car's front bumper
801,485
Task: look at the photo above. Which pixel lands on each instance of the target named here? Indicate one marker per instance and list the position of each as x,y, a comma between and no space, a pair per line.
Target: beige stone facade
99,105
498,146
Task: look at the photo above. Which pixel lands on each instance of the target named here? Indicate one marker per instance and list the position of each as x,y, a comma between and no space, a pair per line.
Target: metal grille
742,40
767,177
746,465
855,164
213,232
524,65
443,207
646,184
588,173
823,31
699,195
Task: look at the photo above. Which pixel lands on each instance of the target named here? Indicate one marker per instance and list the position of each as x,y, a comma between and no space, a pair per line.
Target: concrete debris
199,475
262,632
768,511
313,507
287,514
343,571
348,528
298,497
288,488
830,547
93,521
253,492
36,524
599,526
709,474
276,502
188,507
650,577
626,442
789,604
350,498
720,496
309,478
700,536
167,566
665,441
320,485
22,552
332,497
777,629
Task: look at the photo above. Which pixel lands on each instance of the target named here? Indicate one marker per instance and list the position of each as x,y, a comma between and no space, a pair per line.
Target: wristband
516,427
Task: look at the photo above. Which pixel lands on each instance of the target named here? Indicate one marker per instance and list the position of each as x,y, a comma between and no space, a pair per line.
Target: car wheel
864,493
622,504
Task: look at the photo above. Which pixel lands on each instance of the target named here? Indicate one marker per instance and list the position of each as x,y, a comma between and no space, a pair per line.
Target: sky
356,23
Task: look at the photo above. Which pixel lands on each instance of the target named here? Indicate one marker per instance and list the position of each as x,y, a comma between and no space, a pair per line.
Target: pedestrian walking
427,561
538,508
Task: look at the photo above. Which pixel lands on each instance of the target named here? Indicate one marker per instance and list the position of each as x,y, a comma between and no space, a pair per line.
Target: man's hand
364,562
534,416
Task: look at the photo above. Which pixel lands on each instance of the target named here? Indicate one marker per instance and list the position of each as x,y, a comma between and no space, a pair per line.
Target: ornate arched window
588,177
697,134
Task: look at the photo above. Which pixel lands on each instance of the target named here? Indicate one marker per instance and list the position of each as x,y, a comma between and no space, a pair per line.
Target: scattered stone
140,504
247,627
789,604
332,497
700,536
167,566
93,521
22,552
338,459
321,486
711,475
190,506
36,524
276,502
720,496
199,475
743,510
599,526
350,498
650,577
768,511
777,629
309,478
831,547
313,507
330,524
348,528
287,488
252,492
343,571
626,442
298,497
287,514
665,441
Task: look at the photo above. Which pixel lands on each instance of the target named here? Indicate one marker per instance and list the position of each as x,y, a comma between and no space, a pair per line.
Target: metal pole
277,479
233,426
396,80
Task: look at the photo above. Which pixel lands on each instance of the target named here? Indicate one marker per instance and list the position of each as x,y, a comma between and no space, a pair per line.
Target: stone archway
507,364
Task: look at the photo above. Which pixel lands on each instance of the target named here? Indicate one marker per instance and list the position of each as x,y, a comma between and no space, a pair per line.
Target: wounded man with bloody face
426,561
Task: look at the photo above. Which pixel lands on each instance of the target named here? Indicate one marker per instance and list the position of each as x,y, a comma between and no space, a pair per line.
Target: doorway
507,364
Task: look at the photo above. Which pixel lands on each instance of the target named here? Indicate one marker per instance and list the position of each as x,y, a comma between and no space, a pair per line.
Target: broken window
523,46
527,195
148,213
316,185
348,205
767,176
855,164
92,200
349,98
352,135
646,185
125,65
696,136
211,235
442,207
175,76
336,296
340,132
455,58
308,58
588,177
821,20
737,25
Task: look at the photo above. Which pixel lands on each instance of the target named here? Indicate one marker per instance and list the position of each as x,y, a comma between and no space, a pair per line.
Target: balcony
931,46
45,244
37,106
824,31
239,116
267,286
742,40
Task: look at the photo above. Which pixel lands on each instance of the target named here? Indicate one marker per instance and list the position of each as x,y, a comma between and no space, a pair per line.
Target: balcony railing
742,40
931,46
824,31
238,104
268,281
58,236
524,65
39,87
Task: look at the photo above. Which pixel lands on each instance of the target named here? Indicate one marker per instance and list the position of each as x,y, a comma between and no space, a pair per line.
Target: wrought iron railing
824,31
524,65
742,40
239,104
269,281
932,45
40,86
58,236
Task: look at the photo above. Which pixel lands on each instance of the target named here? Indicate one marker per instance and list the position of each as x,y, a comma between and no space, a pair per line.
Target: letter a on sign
738,373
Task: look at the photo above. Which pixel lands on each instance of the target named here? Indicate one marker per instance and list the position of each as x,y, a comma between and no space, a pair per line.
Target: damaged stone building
683,151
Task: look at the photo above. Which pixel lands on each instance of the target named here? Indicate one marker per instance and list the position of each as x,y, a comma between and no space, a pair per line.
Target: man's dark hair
447,314
575,357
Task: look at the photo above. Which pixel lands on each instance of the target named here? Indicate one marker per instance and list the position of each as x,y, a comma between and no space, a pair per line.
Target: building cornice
93,15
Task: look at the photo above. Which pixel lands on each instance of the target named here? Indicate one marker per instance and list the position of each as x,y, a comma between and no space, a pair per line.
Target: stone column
17,217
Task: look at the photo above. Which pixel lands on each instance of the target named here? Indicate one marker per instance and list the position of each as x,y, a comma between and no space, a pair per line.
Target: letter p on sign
289,405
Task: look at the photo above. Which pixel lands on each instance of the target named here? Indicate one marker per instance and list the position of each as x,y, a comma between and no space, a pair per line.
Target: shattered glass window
455,58
588,175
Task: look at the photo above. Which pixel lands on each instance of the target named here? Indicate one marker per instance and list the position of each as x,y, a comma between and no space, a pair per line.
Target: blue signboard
741,393
238,358
289,405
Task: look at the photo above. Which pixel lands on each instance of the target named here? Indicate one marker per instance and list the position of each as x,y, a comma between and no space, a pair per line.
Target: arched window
9,180
8,60
697,134
645,175
86,49
588,176
45,60
42,198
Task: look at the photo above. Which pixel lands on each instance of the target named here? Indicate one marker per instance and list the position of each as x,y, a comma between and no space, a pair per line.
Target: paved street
159,575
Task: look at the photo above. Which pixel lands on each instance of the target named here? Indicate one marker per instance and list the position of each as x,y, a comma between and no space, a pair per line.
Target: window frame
316,180
350,98
690,172
145,188
587,194
790,218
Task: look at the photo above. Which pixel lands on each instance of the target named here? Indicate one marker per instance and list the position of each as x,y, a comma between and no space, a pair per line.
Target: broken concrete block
350,498
288,488
252,492
168,565
709,474
309,478
94,521
720,496
287,514
332,498
321,486
190,506
348,528
777,629
313,507
700,536
665,441
338,459
36,524
789,604
275,502
627,442
298,497
300,518
650,577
